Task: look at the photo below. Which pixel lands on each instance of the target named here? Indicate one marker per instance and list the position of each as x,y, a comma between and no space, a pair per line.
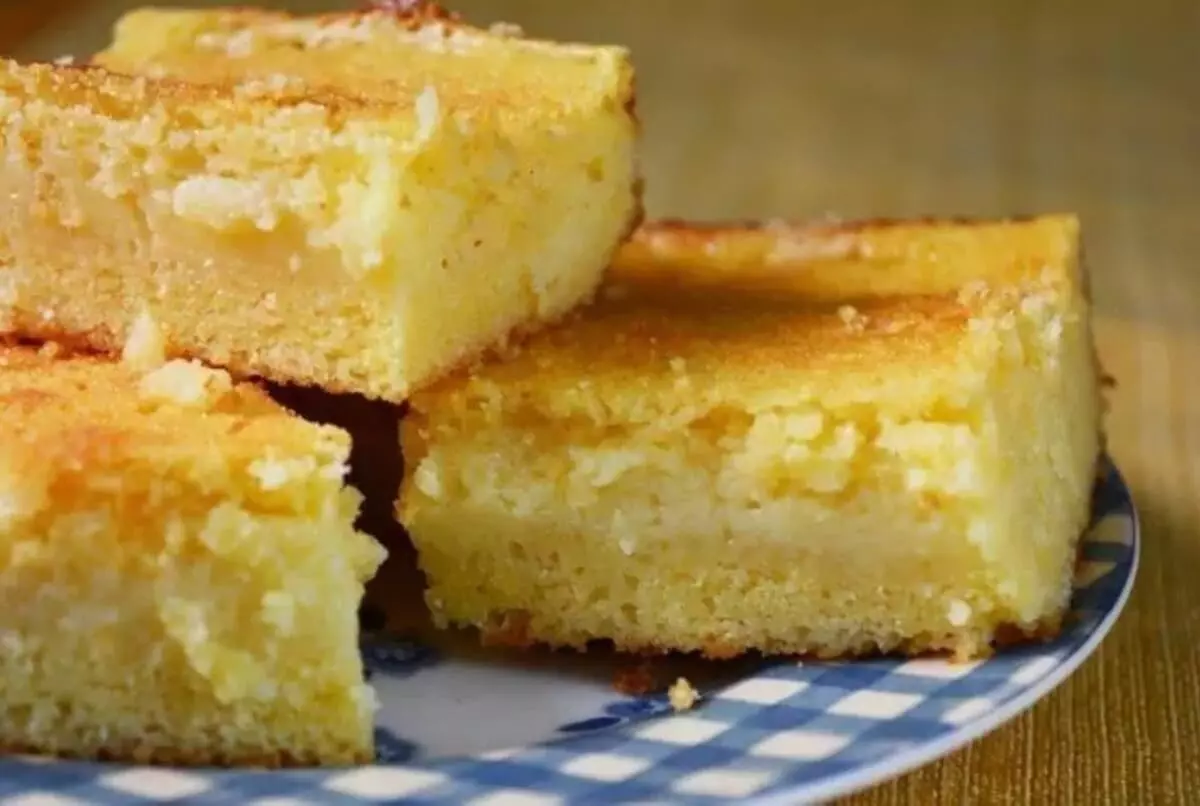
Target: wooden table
872,108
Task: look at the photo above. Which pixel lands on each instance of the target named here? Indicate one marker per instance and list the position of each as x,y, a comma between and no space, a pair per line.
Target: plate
462,725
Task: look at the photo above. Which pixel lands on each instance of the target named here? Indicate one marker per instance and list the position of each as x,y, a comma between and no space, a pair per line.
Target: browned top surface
81,417
848,313
359,58
381,56
795,108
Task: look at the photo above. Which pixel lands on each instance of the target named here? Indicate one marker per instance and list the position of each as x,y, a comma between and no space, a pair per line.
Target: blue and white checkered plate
462,726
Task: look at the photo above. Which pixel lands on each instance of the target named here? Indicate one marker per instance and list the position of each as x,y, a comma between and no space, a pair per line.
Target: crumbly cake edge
512,632
170,757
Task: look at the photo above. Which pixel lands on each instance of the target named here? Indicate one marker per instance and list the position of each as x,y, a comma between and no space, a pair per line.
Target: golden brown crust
68,408
114,87
415,11
679,238
155,447
827,224
694,316
638,217
102,342
742,303
510,631
168,757
511,75
513,631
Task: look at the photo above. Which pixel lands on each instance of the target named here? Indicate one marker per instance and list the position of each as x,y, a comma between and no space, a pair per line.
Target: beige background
890,108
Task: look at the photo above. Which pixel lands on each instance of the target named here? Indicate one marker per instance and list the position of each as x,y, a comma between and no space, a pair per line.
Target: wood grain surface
799,108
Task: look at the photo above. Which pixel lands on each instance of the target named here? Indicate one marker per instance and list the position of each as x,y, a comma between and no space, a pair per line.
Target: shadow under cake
394,606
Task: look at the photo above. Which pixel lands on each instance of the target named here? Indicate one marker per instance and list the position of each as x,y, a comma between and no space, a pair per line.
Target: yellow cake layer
359,201
834,440
179,570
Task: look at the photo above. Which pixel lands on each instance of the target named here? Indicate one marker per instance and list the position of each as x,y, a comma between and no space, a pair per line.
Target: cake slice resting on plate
179,569
358,201
834,440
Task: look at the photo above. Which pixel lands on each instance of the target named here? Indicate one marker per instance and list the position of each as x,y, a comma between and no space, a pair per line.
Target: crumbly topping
220,202
8,286
273,473
185,383
958,613
428,113
274,84
800,248
852,318
145,348
506,30
431,32
236,45
972,292
428,480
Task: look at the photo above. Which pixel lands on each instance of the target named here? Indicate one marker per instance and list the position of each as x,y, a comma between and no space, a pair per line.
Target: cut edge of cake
181,567
520,466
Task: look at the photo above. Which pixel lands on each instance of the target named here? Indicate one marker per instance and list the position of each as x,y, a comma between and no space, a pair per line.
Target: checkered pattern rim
791,731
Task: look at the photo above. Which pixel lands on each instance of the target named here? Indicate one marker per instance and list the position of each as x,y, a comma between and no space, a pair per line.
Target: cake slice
179,570
358,201
833,440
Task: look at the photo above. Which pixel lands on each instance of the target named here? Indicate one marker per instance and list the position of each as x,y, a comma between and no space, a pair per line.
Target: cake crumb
145,348
428,112
682,696
972,292
185,383
852,318
506,29
792,248
958,613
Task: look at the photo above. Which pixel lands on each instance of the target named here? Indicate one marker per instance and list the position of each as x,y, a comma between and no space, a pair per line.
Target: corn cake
179,569
358,201
833,440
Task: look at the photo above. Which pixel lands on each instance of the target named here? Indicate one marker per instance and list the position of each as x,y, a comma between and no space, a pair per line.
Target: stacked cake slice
179,567
836,441
357,201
